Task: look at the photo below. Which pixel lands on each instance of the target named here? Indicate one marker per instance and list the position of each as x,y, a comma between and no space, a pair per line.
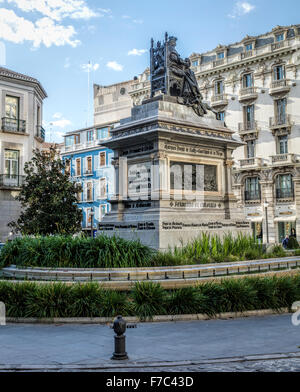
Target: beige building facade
21,114
254,85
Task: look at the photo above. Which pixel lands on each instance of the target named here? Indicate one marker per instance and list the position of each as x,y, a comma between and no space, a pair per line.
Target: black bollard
119,327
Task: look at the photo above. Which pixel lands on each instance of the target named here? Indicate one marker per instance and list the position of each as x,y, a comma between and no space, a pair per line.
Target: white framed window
89,191
102,211
102,158
103,188
219,87
78,167
89,165
279,72
79,194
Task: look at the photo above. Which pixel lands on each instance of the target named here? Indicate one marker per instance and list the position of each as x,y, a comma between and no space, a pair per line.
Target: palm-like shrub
148,300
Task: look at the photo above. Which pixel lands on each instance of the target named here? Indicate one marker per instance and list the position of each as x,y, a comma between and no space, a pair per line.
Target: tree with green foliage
48,198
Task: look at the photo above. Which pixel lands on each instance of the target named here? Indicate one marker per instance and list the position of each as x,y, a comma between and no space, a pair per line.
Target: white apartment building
21,114
254,85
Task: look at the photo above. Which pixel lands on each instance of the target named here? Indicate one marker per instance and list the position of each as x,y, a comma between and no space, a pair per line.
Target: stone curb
156,319
168,284
136,365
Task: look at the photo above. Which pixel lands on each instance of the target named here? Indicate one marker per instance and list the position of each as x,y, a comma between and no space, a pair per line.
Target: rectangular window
89,136
195,63
249,116
252,188
251,149
102,133
279,72
280,106
247,81
219,88
69,141
12,107
102,159
103,192
78,167
220,55
67,166
249,47
221,116
103,211
89,164
11,163
77,139
284,184
280,37
178,180
89,191
283,144
79,194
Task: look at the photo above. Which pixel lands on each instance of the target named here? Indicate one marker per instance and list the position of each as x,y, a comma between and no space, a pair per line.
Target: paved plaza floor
190,345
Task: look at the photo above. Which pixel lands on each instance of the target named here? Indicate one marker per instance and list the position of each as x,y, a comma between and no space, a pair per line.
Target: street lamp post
266,205
92,222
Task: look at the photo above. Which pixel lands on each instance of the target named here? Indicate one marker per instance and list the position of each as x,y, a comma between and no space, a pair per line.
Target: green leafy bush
148,299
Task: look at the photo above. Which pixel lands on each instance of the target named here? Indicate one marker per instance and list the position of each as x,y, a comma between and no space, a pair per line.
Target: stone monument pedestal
173,176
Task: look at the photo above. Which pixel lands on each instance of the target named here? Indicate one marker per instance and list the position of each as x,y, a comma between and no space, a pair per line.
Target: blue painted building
89,164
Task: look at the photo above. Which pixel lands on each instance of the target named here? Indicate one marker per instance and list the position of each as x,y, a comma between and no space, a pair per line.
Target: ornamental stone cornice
20,79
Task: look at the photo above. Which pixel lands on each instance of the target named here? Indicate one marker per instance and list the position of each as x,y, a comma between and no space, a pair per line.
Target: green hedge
147,298
106,252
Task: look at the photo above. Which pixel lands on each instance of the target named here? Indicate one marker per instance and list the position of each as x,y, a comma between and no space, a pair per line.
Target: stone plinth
173,172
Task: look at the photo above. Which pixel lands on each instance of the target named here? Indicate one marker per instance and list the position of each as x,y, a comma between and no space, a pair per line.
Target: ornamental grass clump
149,299
79,252
187,300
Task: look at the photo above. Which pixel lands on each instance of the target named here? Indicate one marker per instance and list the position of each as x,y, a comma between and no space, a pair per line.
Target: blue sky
53,40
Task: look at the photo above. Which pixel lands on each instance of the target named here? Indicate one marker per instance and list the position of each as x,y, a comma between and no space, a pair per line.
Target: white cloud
137,52
241,8
57,115
57,9
115,66
61,123
126,17
89,67
44,31
138,21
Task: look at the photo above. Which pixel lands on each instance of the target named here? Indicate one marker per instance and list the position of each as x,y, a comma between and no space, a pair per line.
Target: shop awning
285,219
255,219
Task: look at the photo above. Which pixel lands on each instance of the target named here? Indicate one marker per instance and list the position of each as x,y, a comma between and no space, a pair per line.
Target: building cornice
18,78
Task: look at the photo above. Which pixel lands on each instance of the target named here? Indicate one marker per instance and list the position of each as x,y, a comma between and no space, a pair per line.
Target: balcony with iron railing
279,87
283,159
11,181
40,133
253,196
279,45
254,162
219,100
219,62
247,93
247,54
282,121
284,193
248,127
13,125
